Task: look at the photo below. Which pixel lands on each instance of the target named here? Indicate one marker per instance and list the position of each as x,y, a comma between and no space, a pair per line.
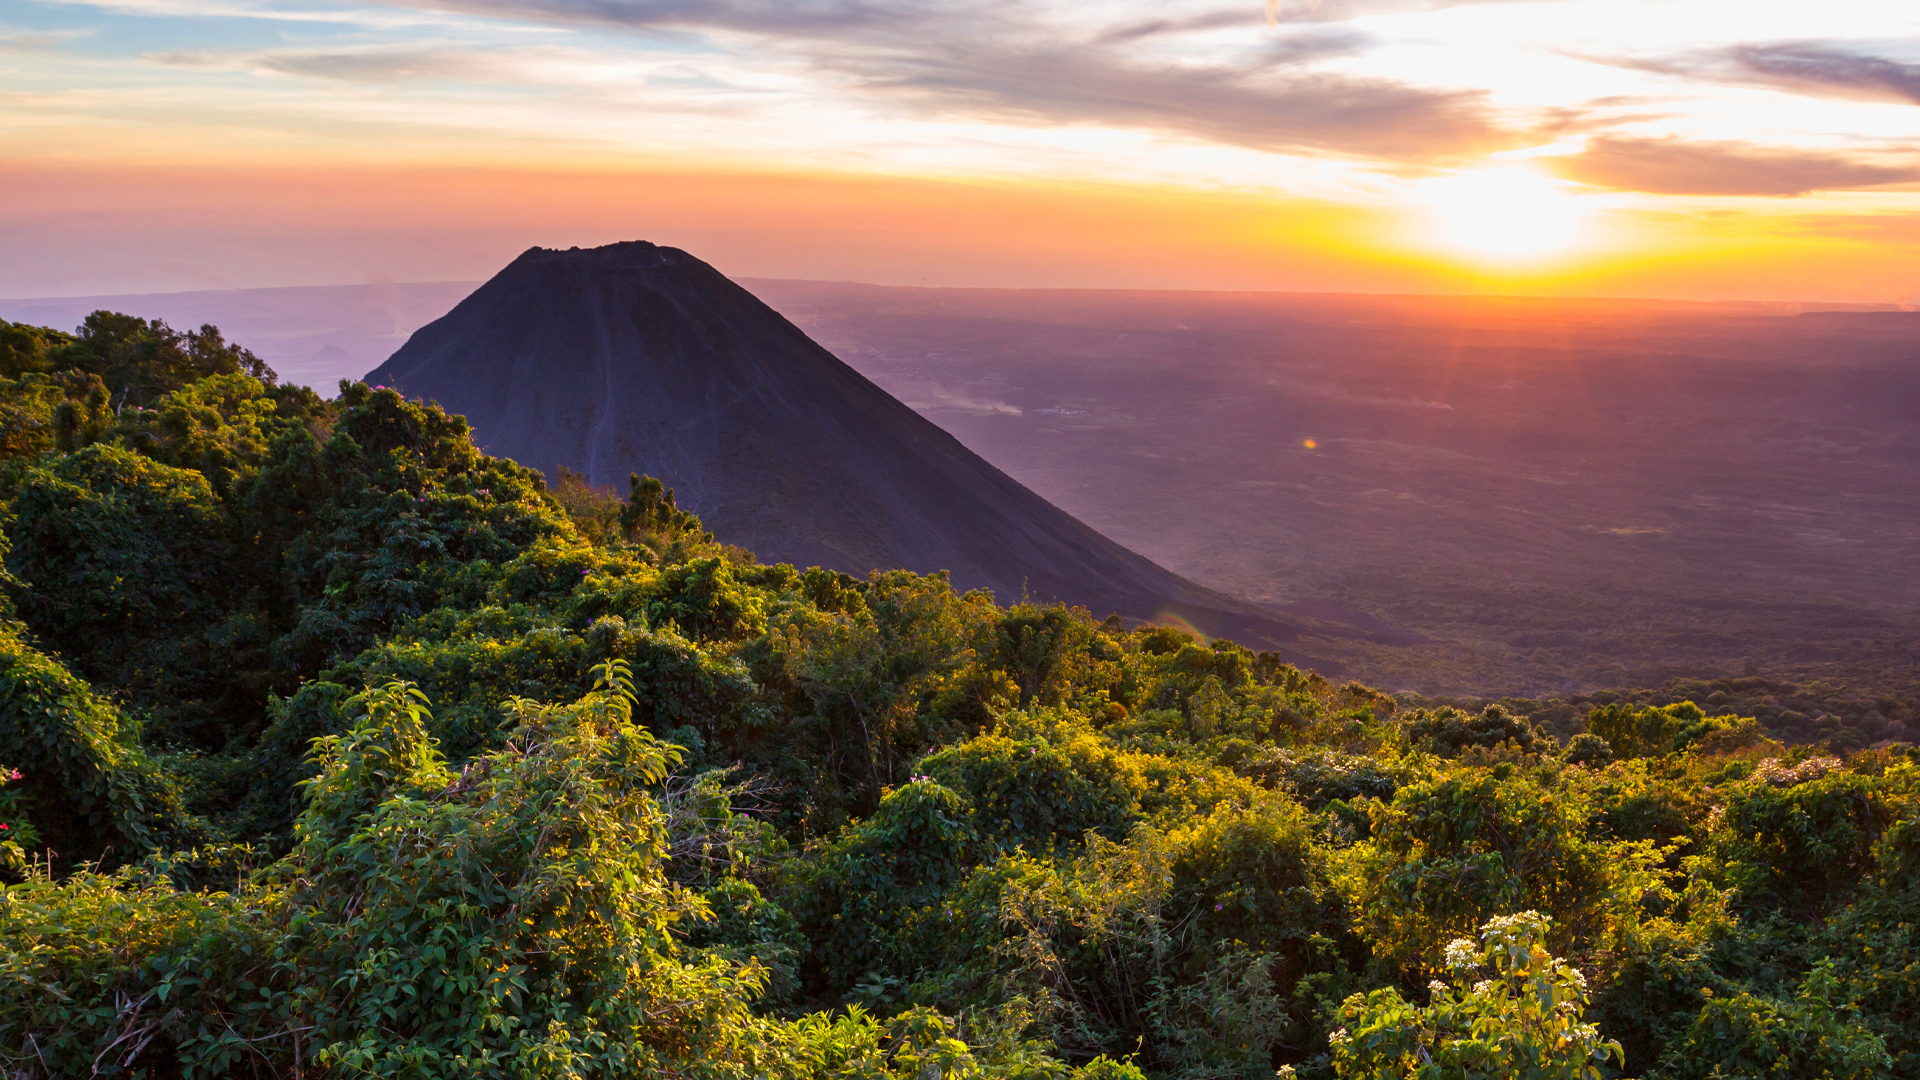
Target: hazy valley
1556,494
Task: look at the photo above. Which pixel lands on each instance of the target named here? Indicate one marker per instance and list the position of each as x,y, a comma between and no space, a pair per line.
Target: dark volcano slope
636,358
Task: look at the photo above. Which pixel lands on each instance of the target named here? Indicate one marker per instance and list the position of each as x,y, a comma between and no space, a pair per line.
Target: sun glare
1505,213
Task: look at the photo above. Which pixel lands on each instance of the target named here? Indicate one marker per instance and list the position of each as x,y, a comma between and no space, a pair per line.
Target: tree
141,359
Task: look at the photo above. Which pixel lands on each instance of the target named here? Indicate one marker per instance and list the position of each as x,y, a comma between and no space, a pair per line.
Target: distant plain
1541,495
1556,495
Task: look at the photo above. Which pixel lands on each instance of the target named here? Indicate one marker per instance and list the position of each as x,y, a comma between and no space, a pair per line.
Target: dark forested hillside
333,746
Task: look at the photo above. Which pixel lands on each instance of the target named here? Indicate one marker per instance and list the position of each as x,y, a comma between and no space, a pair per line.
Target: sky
1683,149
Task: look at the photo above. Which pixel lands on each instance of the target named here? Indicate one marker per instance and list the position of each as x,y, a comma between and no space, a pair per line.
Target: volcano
635,358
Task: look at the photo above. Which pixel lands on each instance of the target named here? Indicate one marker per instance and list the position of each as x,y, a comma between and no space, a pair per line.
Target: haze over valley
1558,494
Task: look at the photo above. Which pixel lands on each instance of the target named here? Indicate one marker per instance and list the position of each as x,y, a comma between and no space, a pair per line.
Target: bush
1042,784
1818,1035
1449,731
1446,855
1588,751
1656,730
1512,1011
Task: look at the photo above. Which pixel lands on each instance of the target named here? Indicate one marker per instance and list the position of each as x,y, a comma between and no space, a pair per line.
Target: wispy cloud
29,41
1817,68
769,17
1676,167
1265,105
372,64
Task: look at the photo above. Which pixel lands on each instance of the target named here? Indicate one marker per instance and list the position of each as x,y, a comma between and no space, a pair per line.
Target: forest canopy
331,746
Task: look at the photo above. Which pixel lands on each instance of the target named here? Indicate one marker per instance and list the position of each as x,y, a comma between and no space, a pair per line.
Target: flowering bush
17,835
1512,1013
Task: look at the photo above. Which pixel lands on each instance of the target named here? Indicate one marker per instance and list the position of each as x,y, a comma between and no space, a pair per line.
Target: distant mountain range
634,358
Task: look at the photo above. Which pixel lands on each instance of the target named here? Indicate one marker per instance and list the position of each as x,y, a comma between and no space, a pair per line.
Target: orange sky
1686,149
118,229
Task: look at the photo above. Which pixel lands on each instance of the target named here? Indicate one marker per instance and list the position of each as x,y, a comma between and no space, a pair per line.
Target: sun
1504,213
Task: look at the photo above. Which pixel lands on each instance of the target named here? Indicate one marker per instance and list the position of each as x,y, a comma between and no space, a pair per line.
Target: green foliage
1197,947
41,412
861,897
746,929
1817,1035
1589,750
126,975
1448,854
1043,781
1449,731
1512,1012
130,568
25,348
18,836
89,791
593,511
509,917
1654,731
650,510
141,359
1797,837
1318,777
1874,943
792,823
861,675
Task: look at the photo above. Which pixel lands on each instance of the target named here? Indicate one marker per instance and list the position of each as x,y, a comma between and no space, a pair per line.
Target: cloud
1814,68
1004,62
379,66
770,17
1673,167
22,41
1149,28
1817,68
1270,104
543,65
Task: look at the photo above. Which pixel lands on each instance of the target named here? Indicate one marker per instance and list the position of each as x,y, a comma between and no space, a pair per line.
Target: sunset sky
1698,149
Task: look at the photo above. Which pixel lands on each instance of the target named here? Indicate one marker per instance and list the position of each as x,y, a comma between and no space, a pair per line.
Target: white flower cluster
1772,772
1526,920
1462,953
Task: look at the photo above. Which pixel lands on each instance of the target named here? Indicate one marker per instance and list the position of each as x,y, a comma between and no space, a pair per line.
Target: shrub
1446,855
1818,1035
1449,731
1513,1011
